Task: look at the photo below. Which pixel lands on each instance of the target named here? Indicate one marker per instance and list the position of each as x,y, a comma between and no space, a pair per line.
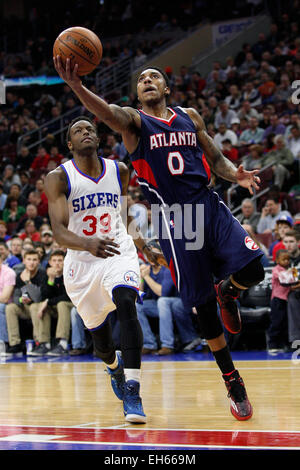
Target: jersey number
180,163
104,221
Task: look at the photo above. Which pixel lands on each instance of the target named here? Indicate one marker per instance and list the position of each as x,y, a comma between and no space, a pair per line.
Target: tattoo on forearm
220,164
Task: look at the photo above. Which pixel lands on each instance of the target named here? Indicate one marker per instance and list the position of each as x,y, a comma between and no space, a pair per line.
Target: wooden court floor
58,403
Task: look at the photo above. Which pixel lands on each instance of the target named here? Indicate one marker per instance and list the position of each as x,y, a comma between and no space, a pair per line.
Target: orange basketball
82,46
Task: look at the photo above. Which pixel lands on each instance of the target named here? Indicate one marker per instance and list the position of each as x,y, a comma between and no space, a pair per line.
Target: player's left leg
131,337
229,290
211,329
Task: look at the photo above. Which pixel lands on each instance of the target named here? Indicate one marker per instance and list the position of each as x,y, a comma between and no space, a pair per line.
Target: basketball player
168,149
101,269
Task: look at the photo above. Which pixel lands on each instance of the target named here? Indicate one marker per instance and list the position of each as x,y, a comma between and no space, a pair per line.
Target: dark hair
77,119
57,253
280,252
160,71
30,252
292,233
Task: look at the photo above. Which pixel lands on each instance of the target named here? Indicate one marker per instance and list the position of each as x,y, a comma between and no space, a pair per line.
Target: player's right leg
131,337
212,330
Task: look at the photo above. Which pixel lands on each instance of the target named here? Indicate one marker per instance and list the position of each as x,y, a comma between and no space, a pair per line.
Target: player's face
83,136
151,87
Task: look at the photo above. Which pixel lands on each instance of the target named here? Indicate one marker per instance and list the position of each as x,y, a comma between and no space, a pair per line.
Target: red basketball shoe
240,406
229,310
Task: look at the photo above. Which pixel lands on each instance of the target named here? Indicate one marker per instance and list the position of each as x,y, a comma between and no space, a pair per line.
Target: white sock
115,364
132,374
64,343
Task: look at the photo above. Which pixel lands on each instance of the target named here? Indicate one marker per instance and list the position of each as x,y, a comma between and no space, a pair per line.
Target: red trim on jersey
166,121
144,171
206,167
172,271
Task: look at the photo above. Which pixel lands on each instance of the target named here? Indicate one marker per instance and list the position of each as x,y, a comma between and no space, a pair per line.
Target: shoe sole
137,419
241,418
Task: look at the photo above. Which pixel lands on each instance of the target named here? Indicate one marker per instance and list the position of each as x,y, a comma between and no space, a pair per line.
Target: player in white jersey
101,270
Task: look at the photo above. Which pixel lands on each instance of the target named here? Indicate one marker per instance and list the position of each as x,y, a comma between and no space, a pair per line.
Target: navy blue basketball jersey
169,160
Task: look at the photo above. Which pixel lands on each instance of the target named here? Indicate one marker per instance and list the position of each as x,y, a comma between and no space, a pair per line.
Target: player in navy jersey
172,155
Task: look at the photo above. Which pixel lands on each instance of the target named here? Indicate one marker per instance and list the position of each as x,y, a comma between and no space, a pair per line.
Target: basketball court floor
67,404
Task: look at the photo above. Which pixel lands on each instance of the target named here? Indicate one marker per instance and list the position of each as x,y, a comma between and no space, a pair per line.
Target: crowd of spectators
248,105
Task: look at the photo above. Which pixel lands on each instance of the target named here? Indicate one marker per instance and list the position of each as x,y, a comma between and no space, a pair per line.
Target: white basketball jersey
95,205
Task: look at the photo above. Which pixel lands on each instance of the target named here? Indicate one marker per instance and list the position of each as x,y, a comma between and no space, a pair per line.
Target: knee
251,274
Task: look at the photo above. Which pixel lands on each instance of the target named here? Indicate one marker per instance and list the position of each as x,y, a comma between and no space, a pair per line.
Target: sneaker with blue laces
117,377
132,403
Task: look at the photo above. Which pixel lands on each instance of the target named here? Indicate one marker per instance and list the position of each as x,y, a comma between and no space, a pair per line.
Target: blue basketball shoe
117,377
132,403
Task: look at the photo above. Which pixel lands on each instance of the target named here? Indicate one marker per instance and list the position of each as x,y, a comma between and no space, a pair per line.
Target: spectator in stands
15,191
55,302
15,246
271,212
23,305
40,161
275,127
9,177
234,99
224,115
13,212
229,151
293,142
252,135
224,134
267,88
7,283
248,215
31,214
47,241
3,232
39,247
30,231
291,241
3,198
284,90
7,257
24,158
246,111
40,201
247,64
251,94
79,345
277,331
26,187
283,225
281,159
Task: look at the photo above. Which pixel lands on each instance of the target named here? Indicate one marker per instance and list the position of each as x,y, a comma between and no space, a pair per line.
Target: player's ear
167,91
70,146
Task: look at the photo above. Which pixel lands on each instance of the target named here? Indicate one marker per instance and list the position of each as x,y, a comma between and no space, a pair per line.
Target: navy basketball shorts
220,246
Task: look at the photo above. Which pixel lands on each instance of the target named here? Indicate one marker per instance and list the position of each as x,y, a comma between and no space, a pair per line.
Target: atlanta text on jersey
173,139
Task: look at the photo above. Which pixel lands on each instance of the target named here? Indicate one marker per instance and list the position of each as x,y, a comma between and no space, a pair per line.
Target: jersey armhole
68,179
118,174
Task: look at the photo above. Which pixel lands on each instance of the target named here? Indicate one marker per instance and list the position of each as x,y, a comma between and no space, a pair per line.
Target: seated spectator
249,216
39,247
224,115
23,305
3,231
229,151
224,134
251,94
277,331
30,214
284,90
48,241
54,156
270,213
291,241
234,99
252,161
30,231
26,187
267,88
15,191
35,198
247,64
7,283
293,143
15,247
24,158
252,135
3,198
40,160
281,159
13,212
246,111
283,225
79,345
55,302
8,258
275,127
9,177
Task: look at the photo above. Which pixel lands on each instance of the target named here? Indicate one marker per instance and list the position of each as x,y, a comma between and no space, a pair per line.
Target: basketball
82,46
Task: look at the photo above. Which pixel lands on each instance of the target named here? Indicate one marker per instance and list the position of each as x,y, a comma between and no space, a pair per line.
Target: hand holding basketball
81,46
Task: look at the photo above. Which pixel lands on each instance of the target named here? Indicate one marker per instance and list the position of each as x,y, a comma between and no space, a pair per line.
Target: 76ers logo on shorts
71,272
251,244
131,278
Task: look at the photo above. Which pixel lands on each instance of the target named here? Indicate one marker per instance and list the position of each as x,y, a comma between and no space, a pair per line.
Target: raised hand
69,75
248,179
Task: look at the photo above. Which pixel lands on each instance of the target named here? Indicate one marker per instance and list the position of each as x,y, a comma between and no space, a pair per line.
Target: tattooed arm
219,164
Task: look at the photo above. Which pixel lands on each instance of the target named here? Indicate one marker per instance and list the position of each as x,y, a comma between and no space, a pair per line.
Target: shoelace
236,390
133,394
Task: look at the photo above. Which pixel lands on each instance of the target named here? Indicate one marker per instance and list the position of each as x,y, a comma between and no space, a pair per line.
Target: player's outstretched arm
56,190
119,119
221,165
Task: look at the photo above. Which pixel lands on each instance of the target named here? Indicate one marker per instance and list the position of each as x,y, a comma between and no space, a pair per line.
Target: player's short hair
77,119
160,71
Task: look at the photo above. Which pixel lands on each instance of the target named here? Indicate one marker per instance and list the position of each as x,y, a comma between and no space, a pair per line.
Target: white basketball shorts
90,284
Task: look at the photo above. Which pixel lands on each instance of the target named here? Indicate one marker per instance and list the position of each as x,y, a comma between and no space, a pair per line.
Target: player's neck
90,165
159,110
